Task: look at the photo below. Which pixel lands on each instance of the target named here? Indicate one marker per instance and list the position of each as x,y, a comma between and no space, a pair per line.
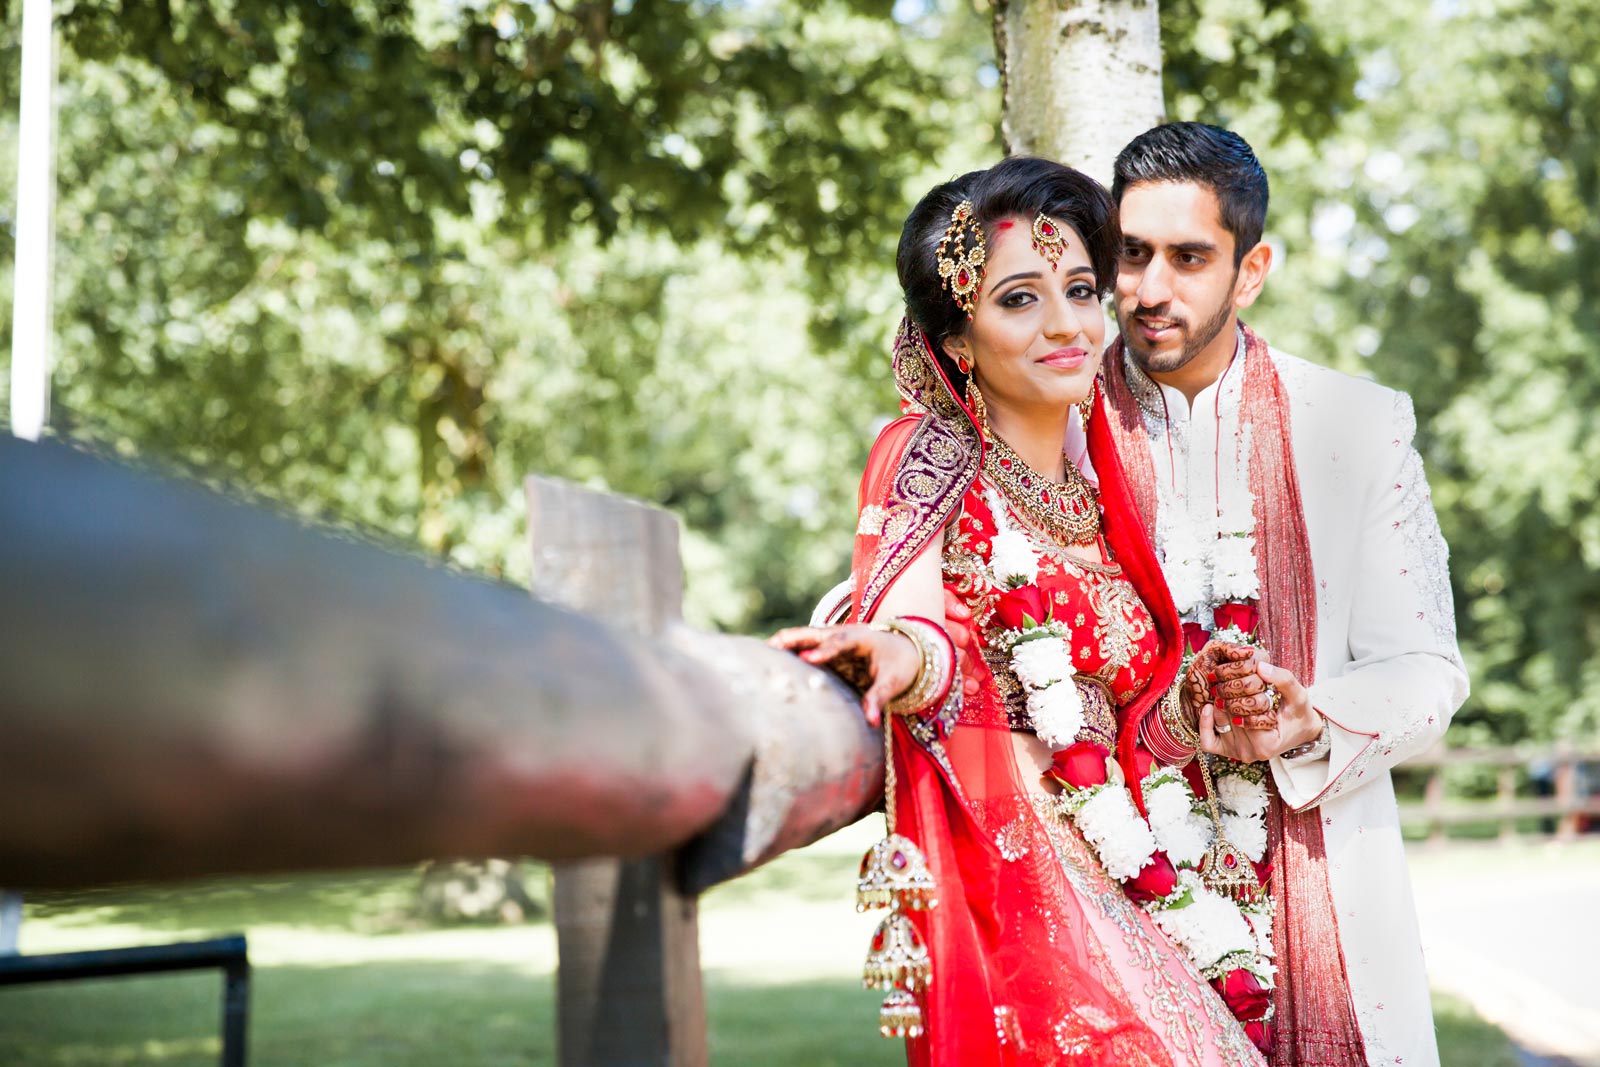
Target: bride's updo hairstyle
1021,188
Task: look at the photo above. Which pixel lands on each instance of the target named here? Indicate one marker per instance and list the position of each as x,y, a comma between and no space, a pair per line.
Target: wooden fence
1565,809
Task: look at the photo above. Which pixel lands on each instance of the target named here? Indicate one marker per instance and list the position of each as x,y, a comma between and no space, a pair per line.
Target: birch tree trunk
1081,77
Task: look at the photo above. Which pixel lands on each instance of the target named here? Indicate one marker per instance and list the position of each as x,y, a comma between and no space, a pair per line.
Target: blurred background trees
377,260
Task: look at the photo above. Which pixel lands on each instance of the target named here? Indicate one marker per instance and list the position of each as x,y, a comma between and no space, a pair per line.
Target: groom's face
1176,280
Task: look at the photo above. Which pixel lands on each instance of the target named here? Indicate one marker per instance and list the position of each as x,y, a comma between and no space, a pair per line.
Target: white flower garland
1215,932
1210,560
1041,657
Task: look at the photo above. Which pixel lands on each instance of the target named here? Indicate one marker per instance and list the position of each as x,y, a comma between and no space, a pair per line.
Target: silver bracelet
1311,751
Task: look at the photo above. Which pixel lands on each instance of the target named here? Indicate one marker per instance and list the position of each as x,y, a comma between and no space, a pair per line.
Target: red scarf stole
1314,1019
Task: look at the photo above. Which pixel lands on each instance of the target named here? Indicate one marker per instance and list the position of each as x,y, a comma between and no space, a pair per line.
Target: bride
1055,895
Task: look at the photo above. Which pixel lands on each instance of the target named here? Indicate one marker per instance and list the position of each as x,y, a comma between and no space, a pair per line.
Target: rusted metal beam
192,685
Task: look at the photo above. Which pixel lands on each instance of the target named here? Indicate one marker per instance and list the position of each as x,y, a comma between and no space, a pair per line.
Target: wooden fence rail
1565,809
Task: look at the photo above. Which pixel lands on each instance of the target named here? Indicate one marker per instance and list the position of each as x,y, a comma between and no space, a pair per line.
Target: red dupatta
1018,978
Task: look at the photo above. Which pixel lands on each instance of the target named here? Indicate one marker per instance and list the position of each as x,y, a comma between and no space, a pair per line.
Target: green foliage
369,119
379,260
1221,56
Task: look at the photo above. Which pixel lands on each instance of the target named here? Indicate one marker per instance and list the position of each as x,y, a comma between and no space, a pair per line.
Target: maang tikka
961,255
1048,240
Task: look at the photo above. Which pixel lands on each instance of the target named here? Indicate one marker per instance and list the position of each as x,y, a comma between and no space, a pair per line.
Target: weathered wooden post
1567,794
1433,805
629,988
1506,801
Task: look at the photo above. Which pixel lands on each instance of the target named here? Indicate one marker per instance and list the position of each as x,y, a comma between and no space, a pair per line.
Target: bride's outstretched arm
883,662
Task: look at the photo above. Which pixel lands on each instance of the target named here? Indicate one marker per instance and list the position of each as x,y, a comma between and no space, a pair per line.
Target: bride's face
1036,332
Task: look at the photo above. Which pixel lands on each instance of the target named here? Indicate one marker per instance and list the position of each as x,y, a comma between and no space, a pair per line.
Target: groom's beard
1152,362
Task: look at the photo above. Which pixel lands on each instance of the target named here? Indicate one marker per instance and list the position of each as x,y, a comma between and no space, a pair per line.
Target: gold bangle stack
1176,721
923,692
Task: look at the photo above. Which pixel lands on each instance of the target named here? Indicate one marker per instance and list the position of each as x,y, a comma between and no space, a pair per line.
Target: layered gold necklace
1069,512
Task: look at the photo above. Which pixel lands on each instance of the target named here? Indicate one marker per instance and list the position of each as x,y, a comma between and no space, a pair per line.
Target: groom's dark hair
1206,155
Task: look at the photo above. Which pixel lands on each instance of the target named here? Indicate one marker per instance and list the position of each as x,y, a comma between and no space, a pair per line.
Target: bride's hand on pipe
880,662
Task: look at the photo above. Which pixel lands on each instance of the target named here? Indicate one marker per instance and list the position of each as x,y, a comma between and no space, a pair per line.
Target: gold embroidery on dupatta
870,524
934,473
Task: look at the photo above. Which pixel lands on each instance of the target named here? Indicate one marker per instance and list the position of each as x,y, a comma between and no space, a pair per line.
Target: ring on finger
1223,727
1274,698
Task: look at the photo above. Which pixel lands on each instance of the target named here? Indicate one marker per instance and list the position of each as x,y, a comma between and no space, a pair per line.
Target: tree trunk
1081,77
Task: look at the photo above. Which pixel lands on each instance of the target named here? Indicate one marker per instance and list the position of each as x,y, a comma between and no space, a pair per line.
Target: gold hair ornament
1048,240
961,255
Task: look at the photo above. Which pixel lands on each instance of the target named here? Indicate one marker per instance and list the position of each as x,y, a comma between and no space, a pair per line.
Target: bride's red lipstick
1066,358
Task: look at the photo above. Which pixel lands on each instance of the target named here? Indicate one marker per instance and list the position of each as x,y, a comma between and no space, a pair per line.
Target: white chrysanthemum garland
1218,934
1041,655
1211,560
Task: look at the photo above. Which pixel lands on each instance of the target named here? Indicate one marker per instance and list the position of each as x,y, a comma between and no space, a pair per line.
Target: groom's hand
1298,723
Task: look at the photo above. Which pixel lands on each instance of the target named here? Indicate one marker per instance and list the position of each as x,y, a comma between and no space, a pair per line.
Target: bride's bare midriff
1033,759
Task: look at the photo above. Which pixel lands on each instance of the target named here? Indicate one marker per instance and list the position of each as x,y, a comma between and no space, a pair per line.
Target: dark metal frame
226,953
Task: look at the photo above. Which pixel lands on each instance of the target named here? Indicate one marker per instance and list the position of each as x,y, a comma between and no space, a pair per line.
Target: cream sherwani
1389,674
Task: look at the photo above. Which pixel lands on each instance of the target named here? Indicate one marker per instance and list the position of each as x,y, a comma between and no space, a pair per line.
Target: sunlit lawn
341,979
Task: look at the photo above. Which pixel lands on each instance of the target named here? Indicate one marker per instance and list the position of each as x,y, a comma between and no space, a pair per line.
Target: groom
1287,498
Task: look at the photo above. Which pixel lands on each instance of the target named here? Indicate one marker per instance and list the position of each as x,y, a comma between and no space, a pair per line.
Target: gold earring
980,414
1086,405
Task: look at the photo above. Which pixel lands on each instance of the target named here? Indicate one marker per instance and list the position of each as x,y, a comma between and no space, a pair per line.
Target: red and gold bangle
1169,734
934,680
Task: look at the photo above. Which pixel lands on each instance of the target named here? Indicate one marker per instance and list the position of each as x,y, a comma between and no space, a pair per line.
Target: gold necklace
1069,512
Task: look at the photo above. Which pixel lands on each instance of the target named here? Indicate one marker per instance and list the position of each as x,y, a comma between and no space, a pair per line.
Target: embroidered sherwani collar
1162,404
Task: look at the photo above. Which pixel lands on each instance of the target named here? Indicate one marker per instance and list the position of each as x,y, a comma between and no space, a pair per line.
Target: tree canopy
378,260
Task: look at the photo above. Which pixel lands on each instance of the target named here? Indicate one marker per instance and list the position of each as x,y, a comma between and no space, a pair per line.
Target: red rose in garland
1242,616
1260,1035
1080,766
1021,608
1196,636
1143,763
1154,881
1246,997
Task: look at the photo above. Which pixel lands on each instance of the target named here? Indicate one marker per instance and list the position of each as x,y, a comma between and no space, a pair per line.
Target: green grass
1466,1040
343,979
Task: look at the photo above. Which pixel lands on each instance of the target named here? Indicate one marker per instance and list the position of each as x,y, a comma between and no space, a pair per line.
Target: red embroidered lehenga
1038,955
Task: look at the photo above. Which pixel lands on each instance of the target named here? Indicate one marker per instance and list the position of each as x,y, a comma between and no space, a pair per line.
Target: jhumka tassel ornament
900,1016
895,875
894,871
1224,868
898,957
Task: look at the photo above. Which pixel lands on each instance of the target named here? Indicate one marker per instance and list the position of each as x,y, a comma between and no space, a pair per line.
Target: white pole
36,193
